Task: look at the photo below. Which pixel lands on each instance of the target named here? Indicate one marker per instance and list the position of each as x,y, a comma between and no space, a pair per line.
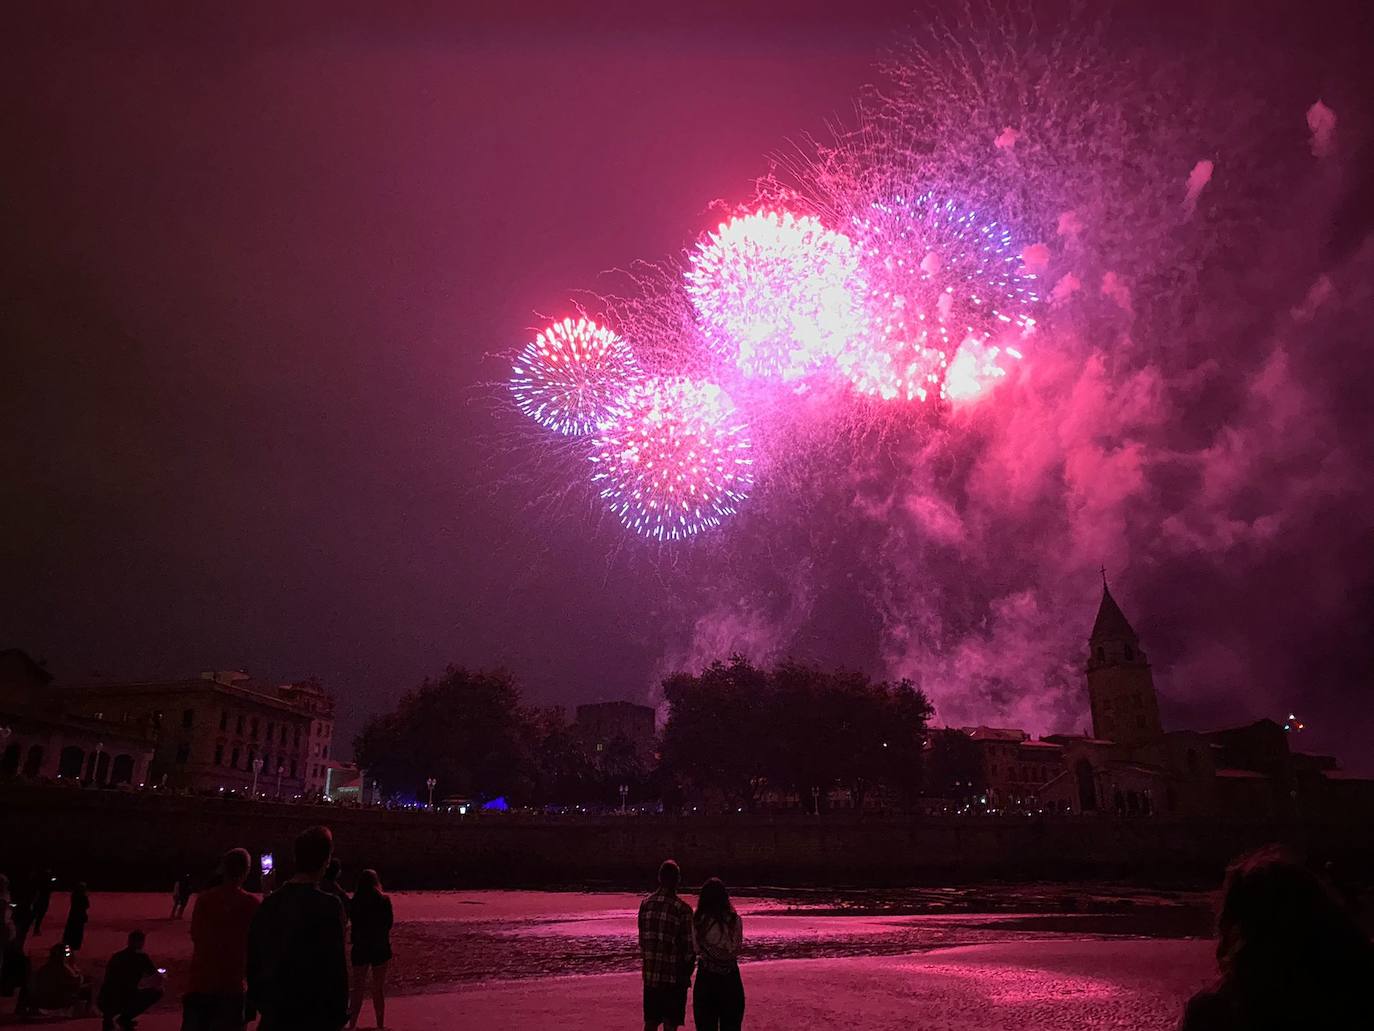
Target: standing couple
673,940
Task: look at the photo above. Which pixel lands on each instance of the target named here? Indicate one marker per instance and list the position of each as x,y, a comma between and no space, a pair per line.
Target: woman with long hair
372,918
1288,954
717,933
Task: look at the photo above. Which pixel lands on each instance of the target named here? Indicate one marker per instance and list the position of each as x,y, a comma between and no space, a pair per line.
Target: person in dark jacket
128,989
372,920
717,935
297,967
41,898
74,933
1288,953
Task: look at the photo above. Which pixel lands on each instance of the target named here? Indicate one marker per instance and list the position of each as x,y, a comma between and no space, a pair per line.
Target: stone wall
126,840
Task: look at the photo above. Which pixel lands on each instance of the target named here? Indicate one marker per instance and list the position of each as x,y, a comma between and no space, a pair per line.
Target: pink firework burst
574,377
778,293
937,275
677,462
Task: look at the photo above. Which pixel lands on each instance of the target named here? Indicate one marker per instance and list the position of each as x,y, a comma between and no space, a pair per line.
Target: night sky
261,261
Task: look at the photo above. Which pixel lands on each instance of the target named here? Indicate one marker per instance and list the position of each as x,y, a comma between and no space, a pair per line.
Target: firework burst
778,293
574,377
937,275
677,462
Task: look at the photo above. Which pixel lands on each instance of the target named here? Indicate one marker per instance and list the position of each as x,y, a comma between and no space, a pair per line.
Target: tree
797,728
714,729
467,730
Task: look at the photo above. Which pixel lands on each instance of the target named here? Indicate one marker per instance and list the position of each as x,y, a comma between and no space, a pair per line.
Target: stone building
600,723
309,697
221,731
1013,768
1129,765
41,738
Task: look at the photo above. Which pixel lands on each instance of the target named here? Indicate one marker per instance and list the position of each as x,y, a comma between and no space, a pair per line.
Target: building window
283,733
293,767
270,728
238,724
252,754
183,753
224,719
253,728
100,715
234,758
219,754
157,718
188,717
298,738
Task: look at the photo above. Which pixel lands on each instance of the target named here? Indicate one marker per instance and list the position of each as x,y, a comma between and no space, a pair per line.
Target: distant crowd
1290,952
281,960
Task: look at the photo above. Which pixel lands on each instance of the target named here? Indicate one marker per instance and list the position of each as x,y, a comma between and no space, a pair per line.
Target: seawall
118,840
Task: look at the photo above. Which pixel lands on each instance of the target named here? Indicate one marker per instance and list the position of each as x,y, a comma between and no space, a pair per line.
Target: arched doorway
34,762
1087,792
71,762
123,770
9,762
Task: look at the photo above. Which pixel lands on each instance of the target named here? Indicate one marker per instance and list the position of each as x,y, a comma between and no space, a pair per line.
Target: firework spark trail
779,293
1171,418
574,377
937,276
677,462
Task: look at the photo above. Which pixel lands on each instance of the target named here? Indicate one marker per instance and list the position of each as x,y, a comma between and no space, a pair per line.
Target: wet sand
871,960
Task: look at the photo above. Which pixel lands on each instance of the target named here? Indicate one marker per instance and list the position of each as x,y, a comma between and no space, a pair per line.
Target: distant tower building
1121,689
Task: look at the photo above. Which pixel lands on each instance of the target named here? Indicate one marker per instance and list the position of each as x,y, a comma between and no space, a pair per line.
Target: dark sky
254,256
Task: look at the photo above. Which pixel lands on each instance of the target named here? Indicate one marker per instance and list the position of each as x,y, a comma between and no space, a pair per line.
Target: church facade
1131,766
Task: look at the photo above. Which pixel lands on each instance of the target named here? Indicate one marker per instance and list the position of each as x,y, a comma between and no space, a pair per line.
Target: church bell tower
1121,688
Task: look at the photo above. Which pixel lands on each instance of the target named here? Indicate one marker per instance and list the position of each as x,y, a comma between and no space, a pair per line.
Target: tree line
736,736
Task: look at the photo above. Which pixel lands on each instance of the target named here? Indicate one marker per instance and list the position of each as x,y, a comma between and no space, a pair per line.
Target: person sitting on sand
57,985
665,946
1288,954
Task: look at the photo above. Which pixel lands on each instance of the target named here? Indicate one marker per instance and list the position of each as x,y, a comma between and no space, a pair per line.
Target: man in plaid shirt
665,944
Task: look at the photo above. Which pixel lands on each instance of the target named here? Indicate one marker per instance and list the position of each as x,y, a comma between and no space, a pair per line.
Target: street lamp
257,768
95,767
624,790
429,783
816,800
280,770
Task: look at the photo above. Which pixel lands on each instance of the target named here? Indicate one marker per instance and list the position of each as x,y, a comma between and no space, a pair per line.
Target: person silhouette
665,948
718,933
1288,954
74,933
